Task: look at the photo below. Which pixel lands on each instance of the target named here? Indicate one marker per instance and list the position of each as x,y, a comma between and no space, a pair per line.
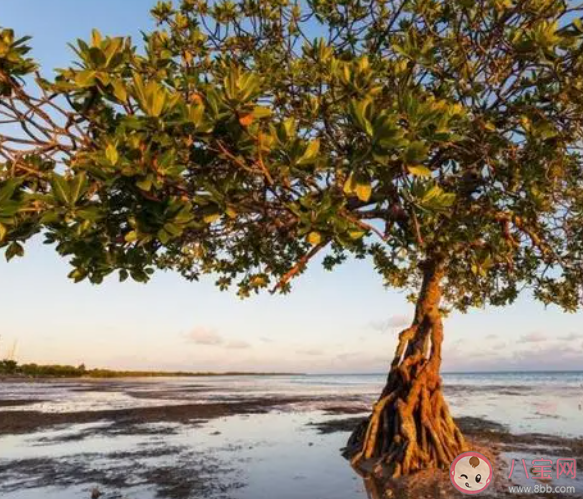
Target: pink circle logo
471,473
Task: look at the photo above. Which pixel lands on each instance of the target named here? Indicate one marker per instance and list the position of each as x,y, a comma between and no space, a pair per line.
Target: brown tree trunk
410,427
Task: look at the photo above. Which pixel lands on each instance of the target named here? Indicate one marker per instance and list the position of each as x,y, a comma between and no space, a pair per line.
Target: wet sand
221,440
17,422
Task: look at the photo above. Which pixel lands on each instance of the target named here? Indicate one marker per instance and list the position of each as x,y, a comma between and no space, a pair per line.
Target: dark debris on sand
16,422
185,476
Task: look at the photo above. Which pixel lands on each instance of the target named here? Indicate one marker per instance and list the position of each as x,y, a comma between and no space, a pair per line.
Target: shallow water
258,456
525,402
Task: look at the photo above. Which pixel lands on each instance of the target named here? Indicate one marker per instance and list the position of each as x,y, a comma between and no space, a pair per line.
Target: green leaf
419,171
9,208
77,187
173,229
164,236
311,153
60,188
78,275
359,111
15,249
436,199
416,152
91,214
8,189
145,184
50,217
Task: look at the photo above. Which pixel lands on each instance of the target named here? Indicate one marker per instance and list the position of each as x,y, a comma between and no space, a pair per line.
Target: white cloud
204,336
534,337
237,345
394,322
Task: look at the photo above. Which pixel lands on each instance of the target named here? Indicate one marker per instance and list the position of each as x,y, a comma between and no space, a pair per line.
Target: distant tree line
13,369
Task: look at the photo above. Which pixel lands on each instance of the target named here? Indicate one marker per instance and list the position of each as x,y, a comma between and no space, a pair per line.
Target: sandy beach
254,437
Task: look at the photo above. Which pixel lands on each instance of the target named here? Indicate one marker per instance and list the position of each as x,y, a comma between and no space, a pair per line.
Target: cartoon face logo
471,473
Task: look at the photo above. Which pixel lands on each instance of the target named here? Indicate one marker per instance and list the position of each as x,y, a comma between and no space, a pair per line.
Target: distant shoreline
12,371
24,377
9,378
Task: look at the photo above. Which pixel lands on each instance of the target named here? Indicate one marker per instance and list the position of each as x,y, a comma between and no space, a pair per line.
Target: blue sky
344,321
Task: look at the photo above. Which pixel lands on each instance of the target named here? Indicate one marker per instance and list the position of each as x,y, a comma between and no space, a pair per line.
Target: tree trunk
410,427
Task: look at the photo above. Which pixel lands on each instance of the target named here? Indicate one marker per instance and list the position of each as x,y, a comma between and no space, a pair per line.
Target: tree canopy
243,138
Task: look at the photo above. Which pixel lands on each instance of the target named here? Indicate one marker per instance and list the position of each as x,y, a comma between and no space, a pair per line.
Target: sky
340,322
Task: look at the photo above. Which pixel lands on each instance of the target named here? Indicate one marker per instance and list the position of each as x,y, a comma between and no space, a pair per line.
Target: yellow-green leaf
310,153
349,185
261,112
85,78
356,234
111,154
119,90
213,217
490,126
131,236
419,171
195,113
145,184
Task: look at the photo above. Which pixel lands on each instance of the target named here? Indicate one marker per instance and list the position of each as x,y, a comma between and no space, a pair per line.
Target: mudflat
244,438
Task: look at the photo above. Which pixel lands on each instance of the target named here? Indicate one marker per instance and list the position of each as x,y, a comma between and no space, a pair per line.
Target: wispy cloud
570,337
237,345
208,336
204,336
310,351
394,322
534,337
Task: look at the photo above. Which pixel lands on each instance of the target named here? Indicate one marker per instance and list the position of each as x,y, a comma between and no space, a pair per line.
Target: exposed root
410,427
